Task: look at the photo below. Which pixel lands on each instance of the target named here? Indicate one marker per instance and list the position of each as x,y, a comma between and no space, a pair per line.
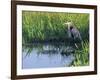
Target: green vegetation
82,55
41,26
49,25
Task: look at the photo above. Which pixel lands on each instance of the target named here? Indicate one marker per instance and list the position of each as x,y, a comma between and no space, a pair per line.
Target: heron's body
75,34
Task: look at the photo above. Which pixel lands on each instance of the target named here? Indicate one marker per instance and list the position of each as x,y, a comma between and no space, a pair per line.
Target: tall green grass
82,55
49,25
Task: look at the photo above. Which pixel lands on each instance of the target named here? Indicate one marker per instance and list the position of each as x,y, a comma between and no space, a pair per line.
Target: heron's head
69,25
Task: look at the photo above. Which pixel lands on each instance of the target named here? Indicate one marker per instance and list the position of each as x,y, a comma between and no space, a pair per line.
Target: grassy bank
82,55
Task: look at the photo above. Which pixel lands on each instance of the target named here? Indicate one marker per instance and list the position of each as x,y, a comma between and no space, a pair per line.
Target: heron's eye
71,27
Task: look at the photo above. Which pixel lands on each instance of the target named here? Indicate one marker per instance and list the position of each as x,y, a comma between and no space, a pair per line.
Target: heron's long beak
65,24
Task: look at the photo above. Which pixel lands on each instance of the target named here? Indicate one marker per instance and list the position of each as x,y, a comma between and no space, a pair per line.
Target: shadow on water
45,55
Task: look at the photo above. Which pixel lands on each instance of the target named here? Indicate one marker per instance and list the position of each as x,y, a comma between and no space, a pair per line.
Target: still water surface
46,56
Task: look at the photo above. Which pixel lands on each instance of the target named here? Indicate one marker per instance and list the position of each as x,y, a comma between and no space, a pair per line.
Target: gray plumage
73,32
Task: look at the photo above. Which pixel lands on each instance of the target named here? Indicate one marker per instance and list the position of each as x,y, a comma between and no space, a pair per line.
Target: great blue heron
73,33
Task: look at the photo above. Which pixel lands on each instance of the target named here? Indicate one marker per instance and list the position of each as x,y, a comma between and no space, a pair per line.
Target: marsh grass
41,26
82,55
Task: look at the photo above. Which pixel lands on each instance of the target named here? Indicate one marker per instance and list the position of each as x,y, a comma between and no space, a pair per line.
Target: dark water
46,55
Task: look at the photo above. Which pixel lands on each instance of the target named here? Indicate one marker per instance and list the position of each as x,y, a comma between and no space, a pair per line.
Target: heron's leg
76,46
